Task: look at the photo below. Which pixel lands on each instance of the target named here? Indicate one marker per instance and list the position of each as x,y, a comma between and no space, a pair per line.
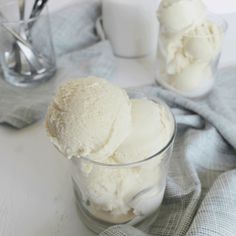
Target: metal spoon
37,7
29,54
27,50
36,10
22,9
22,64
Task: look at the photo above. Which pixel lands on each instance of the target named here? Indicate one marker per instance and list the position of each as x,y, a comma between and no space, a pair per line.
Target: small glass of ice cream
128,187
118,148
189,47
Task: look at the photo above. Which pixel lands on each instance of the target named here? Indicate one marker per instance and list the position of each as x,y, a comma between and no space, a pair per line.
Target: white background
217,6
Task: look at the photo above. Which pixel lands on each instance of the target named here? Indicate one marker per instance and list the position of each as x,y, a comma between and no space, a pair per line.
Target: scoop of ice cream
109,189
203,42
151,131
176,16
143,204
169,46
191,77
172,59
89,117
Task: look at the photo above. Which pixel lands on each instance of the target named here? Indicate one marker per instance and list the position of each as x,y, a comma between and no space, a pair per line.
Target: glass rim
13,22
135,163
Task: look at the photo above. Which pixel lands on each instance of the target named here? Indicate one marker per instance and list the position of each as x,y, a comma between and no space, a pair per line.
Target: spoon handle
22,9
16,35
37,8
18,54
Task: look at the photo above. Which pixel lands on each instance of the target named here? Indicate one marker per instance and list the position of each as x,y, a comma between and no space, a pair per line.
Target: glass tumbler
187,61
26,49
131,193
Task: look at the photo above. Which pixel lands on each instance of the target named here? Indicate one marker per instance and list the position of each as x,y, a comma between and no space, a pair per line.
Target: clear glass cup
187,62
131,193
34,62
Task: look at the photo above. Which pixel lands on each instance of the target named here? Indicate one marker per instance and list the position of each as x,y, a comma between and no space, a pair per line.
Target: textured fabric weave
200,198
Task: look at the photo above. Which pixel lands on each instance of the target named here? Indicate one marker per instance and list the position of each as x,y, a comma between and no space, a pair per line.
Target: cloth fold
200,197
79,53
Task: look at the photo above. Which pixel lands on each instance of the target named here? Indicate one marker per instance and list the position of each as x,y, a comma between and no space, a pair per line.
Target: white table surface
36,197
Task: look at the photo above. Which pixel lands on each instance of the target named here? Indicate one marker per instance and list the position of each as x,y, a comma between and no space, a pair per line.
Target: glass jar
26,50
130,193
187,61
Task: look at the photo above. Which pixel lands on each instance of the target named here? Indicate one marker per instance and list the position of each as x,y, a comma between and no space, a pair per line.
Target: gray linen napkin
200,198
79,53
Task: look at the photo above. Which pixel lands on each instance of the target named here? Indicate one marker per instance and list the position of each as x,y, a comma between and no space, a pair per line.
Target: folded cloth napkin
79,53
200,198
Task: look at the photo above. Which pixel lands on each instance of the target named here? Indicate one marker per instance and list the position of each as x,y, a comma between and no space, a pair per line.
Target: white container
131,26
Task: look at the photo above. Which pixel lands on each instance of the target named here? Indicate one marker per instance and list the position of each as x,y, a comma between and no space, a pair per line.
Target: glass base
28,80
97,225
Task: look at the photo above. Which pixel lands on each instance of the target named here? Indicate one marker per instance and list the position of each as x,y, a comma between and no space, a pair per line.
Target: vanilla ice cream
120,148
118,194
151,131
203,42
189,43
171,58
191,76
177,15
89,117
